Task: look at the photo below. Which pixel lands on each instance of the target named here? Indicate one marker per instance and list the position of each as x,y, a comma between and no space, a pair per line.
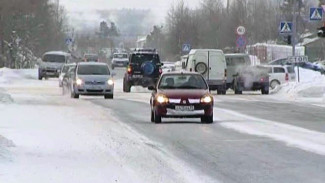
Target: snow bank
310,88
9,75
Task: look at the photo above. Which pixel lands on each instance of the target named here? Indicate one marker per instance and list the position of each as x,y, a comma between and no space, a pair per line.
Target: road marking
308,140
319,105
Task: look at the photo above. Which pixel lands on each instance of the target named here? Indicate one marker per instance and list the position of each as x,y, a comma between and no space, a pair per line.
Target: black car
143,70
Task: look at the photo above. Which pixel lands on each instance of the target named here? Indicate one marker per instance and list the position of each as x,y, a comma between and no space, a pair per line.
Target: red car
181,95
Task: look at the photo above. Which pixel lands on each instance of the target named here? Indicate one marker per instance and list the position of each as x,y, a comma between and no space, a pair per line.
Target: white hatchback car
280,74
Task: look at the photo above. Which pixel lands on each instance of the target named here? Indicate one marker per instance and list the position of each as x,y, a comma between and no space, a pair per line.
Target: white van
211,63
52,63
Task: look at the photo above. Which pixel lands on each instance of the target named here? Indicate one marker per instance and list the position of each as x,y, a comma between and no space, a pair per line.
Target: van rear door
216,65
202,57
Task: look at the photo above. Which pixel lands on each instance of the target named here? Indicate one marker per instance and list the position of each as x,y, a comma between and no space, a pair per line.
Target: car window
54,58
279,70
141,58
182,81
120,56
93,70
291,70
232,61
91,58
65,69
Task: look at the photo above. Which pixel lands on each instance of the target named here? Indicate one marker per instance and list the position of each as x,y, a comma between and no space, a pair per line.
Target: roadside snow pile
8,75
311,86
5,98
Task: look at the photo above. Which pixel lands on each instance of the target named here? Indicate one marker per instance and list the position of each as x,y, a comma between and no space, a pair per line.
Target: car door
279,74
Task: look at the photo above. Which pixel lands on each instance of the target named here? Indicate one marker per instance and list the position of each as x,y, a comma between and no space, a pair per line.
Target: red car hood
192,94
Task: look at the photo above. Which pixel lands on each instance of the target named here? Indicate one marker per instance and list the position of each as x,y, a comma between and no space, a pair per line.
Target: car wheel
157,118
274,84
152,116
109,96
113,67
237,92
207,119
63,90
264,91
126,87
40,77
201,68
73,94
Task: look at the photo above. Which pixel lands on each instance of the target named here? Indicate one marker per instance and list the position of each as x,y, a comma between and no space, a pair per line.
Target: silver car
64,71
91,78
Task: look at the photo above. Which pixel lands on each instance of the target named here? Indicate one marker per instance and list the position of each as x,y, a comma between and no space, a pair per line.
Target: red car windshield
182,81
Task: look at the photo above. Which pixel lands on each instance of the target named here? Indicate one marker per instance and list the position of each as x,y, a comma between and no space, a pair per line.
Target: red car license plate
184,108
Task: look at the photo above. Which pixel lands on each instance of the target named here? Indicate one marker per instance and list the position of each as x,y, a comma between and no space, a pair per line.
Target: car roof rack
147,50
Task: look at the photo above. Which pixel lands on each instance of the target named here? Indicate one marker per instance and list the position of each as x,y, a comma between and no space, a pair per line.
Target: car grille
94,83
50,70
94,91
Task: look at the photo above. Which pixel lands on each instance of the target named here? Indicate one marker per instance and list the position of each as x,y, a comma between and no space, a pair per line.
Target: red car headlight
162,99
207,99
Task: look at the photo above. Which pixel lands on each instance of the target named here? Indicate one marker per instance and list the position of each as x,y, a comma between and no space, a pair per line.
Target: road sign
286,27
241,30
241,42
316,14
68,41
297,59
186,48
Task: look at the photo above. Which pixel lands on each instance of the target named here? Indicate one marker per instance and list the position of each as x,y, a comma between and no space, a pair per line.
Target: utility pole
294,33
58,9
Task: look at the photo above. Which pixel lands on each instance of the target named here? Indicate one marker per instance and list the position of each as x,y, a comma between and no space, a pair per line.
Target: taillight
160,71
129,69
262,79
287,77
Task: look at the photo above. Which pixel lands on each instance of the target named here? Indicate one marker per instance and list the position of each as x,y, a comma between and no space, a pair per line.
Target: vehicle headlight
59,70
110,82
206,99
79,82
162,99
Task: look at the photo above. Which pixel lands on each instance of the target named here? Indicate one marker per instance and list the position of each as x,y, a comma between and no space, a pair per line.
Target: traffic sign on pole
68,41
297,59
241,30
186,48
241,42
286,27
316,14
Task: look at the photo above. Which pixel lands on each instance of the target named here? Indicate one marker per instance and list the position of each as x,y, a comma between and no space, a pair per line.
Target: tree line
213,24
28,28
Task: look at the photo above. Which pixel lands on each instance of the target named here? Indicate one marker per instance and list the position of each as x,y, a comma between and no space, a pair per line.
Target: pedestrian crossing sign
316,14
186,48
286,27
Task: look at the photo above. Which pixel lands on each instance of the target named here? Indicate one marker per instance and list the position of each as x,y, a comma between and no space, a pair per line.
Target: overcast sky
84,11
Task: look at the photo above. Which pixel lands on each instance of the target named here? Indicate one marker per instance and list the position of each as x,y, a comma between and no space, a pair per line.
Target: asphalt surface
225,154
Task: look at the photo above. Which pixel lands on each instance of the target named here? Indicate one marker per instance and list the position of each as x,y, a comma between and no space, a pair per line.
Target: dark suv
143,70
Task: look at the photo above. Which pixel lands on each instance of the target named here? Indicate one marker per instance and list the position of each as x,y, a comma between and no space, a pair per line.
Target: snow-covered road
47,137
